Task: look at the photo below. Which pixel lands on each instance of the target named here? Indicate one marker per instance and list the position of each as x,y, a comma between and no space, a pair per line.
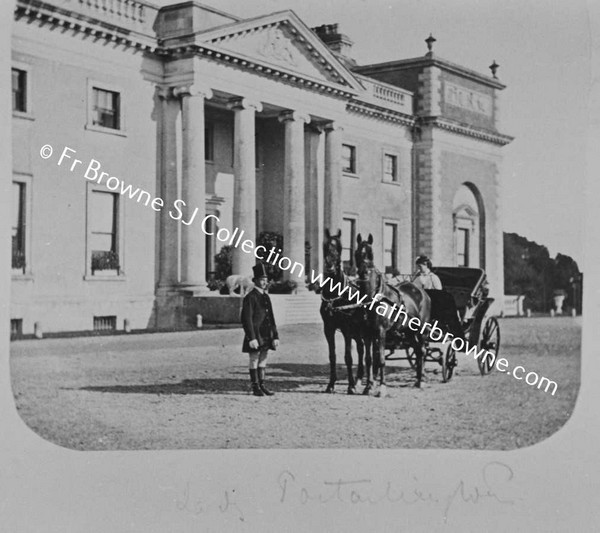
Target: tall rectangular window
390,168
462,247
19,90
348,239
18,226
348,158
106,110
104,228
390,247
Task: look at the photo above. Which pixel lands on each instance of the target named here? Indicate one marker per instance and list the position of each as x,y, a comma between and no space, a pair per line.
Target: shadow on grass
281,377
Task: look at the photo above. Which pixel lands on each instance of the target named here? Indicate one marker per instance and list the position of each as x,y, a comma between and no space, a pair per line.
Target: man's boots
261,380
256,390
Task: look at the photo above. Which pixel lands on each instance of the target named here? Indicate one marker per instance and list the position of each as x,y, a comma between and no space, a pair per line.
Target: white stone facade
251,121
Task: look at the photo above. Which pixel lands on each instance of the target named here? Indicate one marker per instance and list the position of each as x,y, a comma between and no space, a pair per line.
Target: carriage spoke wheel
448,363
411,357
490,342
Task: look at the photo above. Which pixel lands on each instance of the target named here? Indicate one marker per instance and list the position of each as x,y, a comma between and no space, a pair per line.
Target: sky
543,49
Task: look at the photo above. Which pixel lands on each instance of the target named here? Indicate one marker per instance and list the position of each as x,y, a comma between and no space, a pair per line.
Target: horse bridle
366,264
332,265
366,269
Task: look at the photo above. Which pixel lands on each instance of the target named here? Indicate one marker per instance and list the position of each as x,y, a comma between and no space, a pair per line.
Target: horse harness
344,309
331,309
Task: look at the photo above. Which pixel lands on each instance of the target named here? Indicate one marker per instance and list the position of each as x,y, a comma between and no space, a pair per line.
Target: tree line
530,271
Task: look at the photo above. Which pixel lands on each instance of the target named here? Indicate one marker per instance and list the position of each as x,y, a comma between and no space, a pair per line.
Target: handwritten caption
494,484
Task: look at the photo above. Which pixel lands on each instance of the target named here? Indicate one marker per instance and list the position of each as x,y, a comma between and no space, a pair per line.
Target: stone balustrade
385,95
127,9
136,16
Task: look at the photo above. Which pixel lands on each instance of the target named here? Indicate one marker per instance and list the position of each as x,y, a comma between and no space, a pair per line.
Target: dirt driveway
190,390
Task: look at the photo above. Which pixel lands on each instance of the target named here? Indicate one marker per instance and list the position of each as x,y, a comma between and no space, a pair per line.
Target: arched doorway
468,217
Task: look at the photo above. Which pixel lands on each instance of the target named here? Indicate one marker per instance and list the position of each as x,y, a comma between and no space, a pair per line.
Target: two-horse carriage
468,288
362,315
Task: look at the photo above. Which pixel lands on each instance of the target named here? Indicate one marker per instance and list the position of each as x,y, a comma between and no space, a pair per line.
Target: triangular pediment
282,41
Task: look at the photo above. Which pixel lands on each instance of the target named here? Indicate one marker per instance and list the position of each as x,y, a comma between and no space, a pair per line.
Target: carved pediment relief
282,42
271,44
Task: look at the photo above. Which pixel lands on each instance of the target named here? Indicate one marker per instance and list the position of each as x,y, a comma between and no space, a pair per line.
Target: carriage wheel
490,341
448,363
411,357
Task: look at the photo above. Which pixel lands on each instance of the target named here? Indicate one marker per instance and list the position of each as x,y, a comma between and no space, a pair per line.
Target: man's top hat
259,271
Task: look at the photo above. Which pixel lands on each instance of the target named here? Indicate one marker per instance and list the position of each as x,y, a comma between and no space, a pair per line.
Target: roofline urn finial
494,67
430,40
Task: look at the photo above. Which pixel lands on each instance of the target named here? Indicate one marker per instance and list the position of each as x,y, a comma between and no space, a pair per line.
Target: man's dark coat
258,320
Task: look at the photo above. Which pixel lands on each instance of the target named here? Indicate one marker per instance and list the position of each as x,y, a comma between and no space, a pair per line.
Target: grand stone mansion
265,123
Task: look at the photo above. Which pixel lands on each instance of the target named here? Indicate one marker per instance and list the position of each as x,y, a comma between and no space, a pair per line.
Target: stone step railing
296,308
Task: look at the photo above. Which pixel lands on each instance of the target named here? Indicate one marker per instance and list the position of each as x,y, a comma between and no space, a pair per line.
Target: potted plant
104,260
223,263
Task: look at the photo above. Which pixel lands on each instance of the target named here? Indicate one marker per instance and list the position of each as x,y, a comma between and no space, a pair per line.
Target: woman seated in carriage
425,278
443,306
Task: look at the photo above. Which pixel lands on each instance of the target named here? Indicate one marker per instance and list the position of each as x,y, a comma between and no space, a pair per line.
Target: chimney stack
337,42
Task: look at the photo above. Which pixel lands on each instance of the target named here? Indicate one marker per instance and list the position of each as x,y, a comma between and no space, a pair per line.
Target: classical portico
273,70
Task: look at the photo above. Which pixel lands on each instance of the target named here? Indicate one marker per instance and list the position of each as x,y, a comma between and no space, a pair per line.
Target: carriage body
468,286
469,289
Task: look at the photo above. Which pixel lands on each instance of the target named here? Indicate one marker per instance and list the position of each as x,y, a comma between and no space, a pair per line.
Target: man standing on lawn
260,330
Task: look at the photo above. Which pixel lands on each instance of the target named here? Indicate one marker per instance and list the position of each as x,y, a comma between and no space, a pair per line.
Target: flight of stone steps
302,308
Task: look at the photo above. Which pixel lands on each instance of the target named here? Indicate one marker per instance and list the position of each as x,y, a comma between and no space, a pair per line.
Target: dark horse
339,313
383,318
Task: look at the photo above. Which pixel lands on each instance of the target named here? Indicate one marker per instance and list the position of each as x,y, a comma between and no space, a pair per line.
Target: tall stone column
315,156
333,177
293,191
193,187
244,168
168,240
